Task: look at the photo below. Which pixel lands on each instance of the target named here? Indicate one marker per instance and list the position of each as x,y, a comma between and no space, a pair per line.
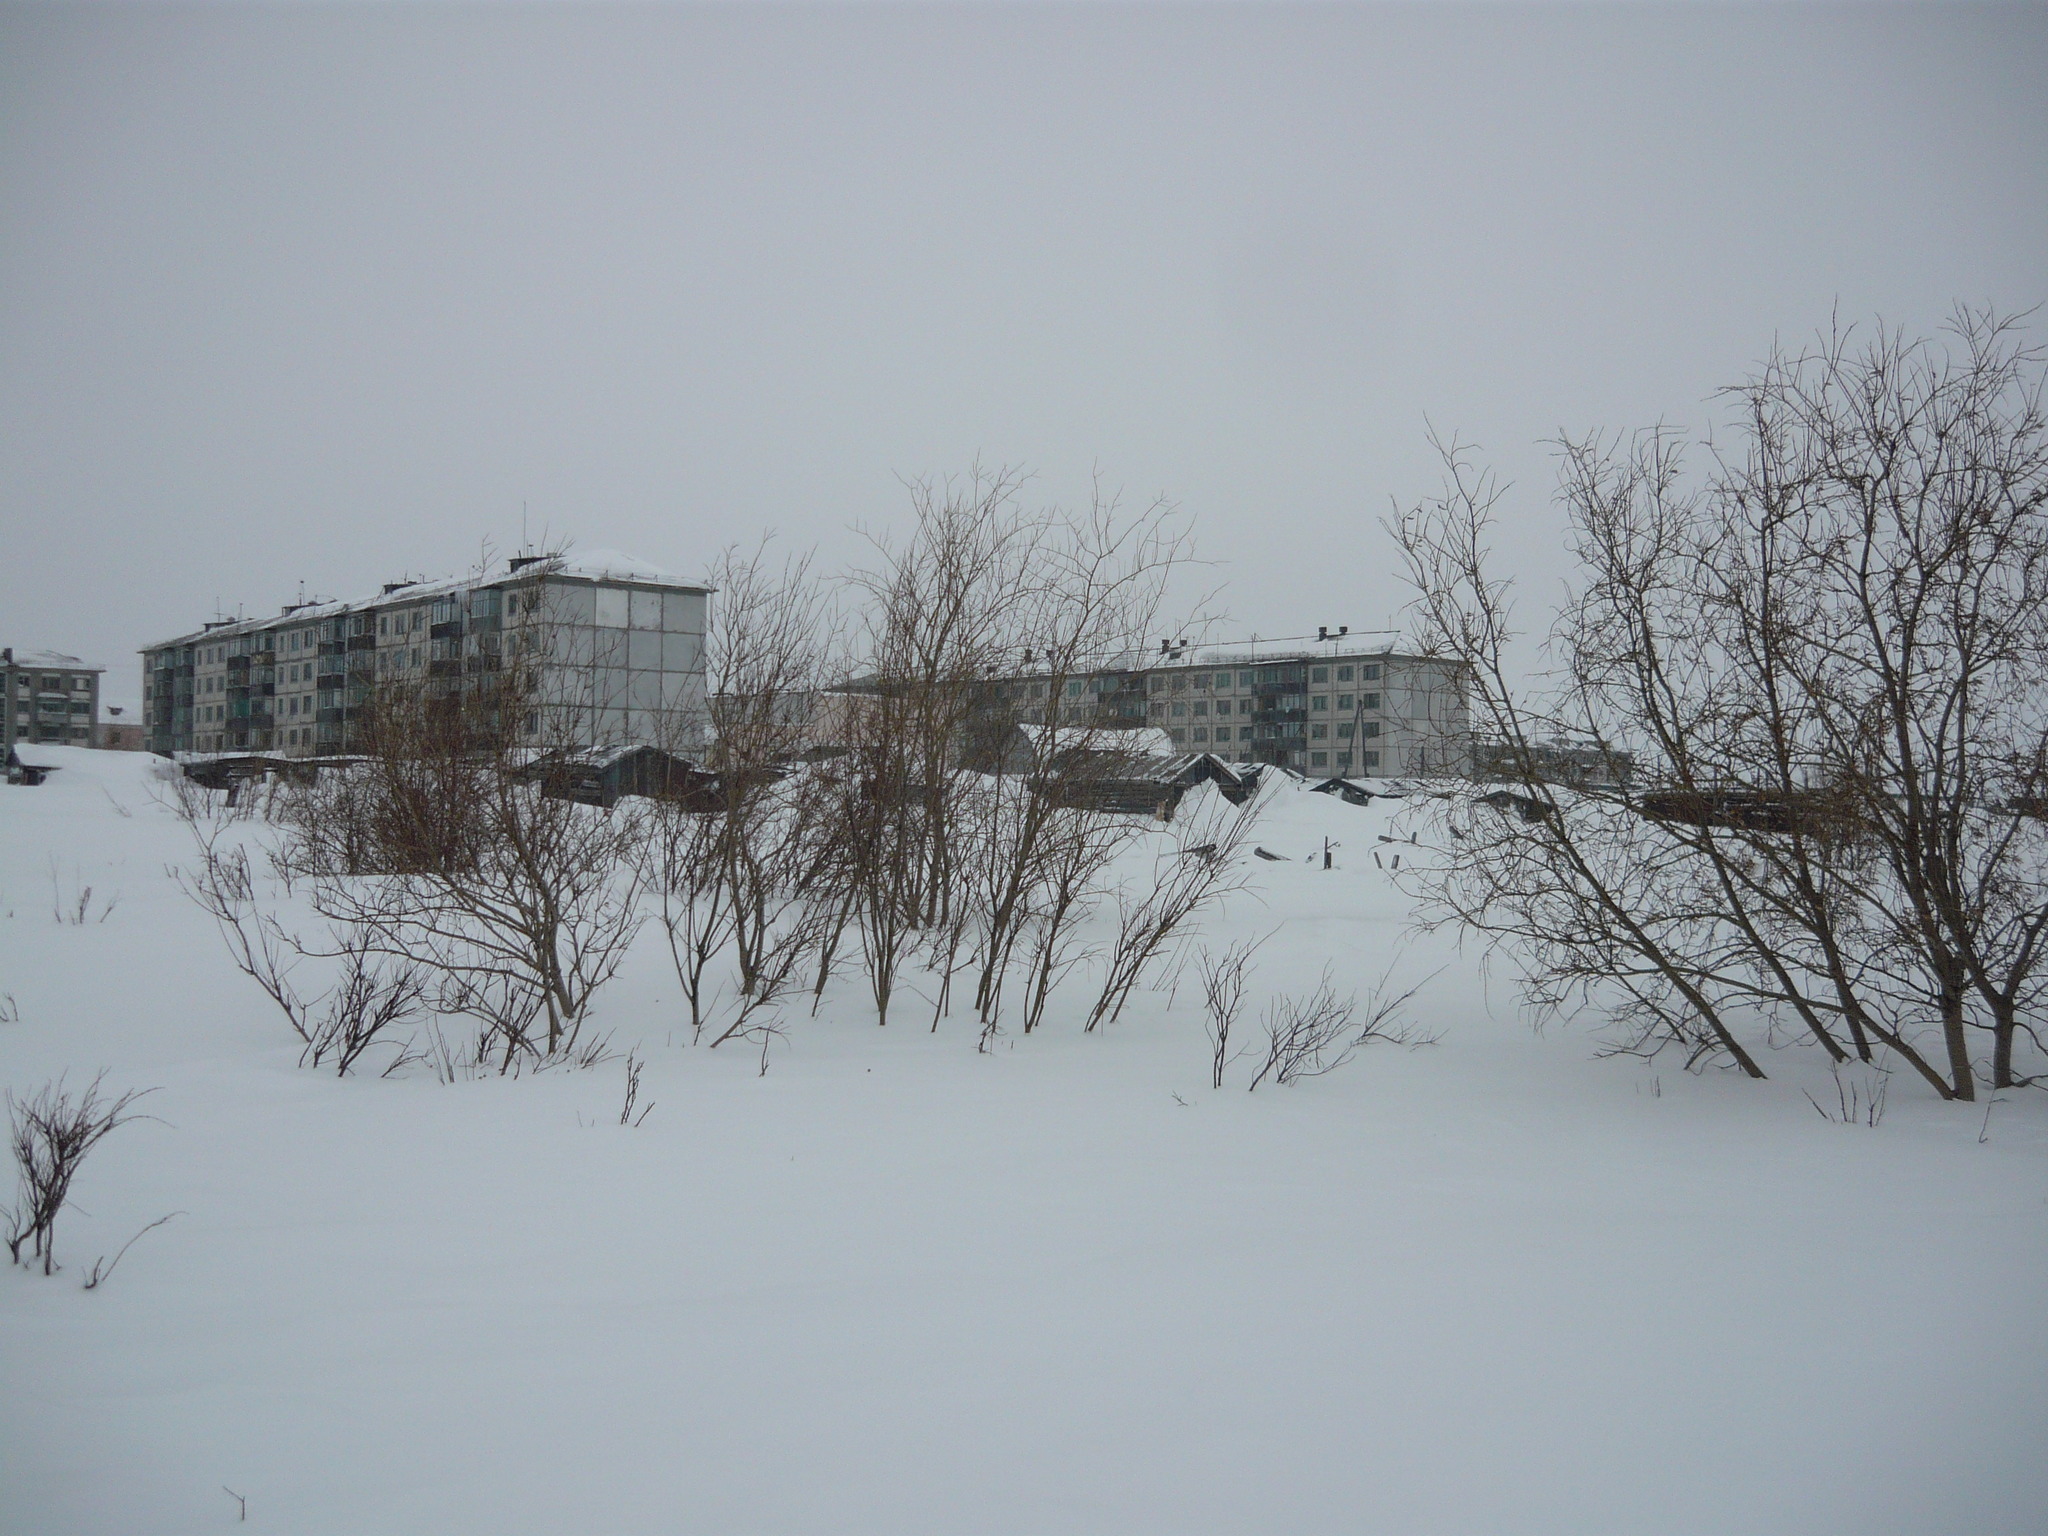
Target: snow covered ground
1490,1286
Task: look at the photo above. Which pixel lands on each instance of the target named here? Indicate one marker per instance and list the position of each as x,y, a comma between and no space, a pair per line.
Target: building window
1201,706
1201,680
1222,679
1370,729
1074,689
1320,701
1244,733
1201,733
1318,759
1319,674
1244,679
1343,674
1180,682
1158,682
1179,708
1159,709
1343,759
1318,731
1371,759
1344,702
1180,736
1344,730
1369,674
1368,701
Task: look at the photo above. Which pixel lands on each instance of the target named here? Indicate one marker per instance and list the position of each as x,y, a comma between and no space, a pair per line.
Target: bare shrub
1202,863
1224,978
103,1267
75,908
1859,1100
375,999
627,1115
1307,1037
372,1000
953,854
445,851
51,1133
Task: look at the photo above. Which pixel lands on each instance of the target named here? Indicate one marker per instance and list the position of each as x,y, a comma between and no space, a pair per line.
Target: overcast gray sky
324,294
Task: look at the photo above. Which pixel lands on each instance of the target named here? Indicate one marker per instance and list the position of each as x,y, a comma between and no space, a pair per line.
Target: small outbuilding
27,768
602,776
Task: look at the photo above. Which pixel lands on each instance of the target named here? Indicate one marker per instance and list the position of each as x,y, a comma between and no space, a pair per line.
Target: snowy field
1492,1286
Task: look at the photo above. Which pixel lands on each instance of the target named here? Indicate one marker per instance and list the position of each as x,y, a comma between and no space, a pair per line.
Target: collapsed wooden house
1345,790
1811,812
1509,803
602,776
1130,772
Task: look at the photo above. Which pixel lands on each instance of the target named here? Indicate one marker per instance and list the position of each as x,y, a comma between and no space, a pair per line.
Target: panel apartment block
618,653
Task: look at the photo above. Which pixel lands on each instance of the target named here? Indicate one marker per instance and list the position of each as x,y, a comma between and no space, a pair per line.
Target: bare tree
1827,654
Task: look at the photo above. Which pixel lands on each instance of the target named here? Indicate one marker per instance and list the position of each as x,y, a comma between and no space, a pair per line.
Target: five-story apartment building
48,697
609,650
1334,705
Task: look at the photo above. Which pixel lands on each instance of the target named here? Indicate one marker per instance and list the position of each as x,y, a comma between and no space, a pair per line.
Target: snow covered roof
614,565
53,659
1136,741
36,755
601,565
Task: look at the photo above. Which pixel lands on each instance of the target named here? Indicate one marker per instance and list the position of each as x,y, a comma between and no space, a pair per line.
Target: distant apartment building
1333,705
1584,765
50,697
611,651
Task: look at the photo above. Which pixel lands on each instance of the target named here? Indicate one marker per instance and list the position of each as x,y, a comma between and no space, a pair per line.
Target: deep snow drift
1493,1285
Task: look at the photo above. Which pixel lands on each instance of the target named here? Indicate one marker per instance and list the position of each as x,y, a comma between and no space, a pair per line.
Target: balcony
447,629
1274,687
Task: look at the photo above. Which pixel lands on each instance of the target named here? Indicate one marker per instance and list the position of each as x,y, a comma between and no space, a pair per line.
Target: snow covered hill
1493,1285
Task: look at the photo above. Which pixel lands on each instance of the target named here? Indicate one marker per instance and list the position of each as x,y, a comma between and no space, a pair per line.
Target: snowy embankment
1492,1285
